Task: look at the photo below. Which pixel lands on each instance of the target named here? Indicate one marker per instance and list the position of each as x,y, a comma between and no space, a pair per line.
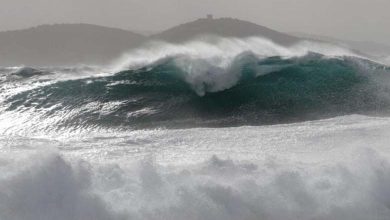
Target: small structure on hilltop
210,17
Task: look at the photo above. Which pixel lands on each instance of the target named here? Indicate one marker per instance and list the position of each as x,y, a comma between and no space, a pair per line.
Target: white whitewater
329,169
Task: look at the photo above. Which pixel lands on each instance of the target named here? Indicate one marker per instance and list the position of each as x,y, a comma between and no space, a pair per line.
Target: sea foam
52,187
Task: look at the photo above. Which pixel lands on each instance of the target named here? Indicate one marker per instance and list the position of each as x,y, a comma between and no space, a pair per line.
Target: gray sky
348,19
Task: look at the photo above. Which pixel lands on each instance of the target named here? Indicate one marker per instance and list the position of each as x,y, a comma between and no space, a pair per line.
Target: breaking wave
180,86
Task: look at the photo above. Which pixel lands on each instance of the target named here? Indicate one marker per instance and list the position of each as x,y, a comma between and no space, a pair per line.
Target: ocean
229,129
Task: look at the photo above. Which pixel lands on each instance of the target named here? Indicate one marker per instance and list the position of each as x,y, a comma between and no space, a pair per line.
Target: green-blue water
295,89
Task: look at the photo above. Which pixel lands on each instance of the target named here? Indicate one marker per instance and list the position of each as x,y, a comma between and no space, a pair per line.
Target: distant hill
70,44
65,44
368,48
226,27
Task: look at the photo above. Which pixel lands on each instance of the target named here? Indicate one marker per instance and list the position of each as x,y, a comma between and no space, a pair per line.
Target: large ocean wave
186,89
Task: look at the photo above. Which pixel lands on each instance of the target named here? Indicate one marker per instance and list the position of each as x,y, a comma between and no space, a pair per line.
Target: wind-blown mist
218,128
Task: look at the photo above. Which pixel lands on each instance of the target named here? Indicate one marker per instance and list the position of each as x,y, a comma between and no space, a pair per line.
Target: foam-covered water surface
330,169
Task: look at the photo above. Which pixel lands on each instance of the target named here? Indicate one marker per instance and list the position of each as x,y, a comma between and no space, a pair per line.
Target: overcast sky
349,19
